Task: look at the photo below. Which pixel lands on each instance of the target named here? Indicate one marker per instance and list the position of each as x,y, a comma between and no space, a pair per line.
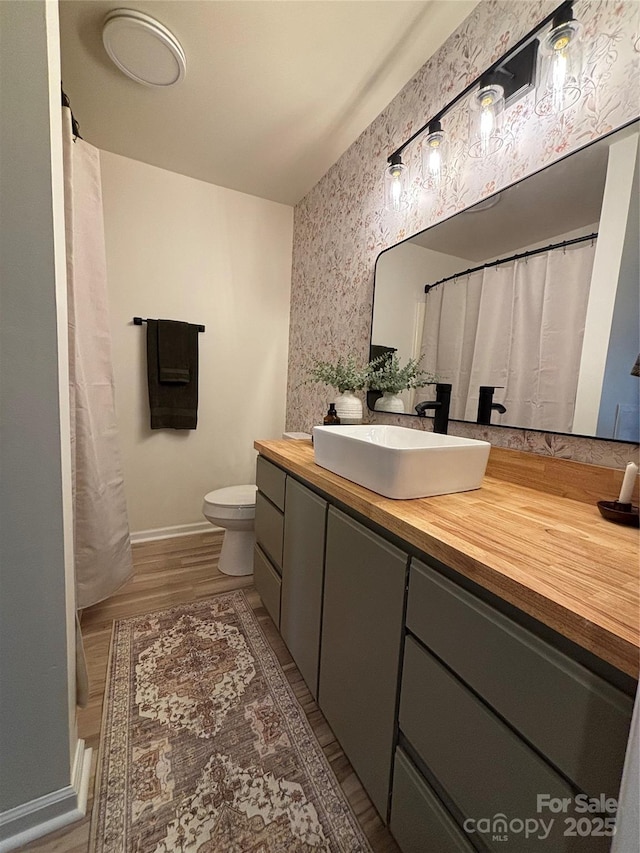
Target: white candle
628,483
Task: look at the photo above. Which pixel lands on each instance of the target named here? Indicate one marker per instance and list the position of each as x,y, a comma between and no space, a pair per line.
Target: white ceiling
564,197
275,90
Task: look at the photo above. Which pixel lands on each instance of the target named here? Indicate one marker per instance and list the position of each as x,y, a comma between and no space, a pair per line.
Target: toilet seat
237,502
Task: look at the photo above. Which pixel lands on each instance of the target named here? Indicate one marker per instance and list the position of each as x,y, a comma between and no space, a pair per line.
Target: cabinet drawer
484,767
575,718
267,582
419,822
269,529
271,481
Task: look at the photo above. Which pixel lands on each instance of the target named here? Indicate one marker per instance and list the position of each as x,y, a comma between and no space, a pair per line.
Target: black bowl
612,511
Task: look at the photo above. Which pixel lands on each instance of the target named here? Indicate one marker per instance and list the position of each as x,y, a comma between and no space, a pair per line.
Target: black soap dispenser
331,418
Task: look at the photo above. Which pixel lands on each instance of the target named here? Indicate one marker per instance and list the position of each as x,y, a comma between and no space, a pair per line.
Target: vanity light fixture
506,80
500,87
396,180
486,110
434,156
560,67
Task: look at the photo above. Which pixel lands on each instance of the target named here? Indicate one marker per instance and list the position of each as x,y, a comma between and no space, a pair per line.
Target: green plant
386,374
345,374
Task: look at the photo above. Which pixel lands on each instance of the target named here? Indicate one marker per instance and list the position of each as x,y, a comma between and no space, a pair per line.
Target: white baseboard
171,532
28,821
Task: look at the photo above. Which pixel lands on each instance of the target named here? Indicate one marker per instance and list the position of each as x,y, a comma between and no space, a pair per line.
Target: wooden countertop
551,556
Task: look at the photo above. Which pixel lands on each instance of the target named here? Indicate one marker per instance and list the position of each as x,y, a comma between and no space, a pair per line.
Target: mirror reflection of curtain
518,325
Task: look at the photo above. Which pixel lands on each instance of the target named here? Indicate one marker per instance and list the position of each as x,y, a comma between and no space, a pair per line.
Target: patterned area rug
205,748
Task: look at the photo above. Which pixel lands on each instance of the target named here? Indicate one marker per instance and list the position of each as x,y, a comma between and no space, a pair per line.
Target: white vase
390,402
349,408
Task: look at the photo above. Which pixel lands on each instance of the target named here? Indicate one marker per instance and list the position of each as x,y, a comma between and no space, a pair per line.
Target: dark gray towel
173,405
173,352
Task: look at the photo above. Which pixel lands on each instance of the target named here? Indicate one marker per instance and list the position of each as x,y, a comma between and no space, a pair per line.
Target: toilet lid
232,496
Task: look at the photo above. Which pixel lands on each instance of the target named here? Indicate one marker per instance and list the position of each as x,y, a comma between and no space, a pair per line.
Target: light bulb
434,156
560,66
395,178
485,120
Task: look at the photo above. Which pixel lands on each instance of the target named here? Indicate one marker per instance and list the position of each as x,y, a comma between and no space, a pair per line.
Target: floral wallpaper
341,226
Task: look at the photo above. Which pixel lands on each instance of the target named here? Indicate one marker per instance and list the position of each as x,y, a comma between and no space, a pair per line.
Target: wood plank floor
170,572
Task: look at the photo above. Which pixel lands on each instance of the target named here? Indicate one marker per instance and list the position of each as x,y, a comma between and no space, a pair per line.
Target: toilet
234,509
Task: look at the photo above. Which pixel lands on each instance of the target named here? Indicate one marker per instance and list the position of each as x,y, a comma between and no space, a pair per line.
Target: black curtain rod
138,321
503,59
528,254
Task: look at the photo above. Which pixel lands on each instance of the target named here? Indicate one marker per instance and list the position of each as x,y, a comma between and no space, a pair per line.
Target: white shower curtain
101,527
518,325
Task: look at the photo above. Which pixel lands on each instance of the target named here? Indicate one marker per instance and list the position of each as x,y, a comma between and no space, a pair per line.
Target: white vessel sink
401,463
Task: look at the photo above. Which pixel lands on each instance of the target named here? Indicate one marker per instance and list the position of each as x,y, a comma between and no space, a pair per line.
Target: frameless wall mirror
528,302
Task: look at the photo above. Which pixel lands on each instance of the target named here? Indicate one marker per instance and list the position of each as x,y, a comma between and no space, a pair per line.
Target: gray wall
34,708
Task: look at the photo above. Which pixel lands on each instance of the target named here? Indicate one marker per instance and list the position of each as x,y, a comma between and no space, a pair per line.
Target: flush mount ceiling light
143,49
485,204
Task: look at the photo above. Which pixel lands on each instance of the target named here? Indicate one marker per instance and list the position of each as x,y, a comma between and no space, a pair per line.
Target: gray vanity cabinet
267,581
269,527
419,822
271,481
364,589
452,709
572,716
484,767
302,578
494,716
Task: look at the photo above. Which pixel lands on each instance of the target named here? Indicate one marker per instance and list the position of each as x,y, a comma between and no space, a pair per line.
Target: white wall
401,275
400,301
182,249
607,267
37,679
583,231
619,388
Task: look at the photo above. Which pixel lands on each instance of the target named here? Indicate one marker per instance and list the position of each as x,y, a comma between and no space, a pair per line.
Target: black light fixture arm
560,13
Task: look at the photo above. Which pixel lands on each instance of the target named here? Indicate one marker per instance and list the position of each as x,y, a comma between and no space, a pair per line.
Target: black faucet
440,407
486,404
